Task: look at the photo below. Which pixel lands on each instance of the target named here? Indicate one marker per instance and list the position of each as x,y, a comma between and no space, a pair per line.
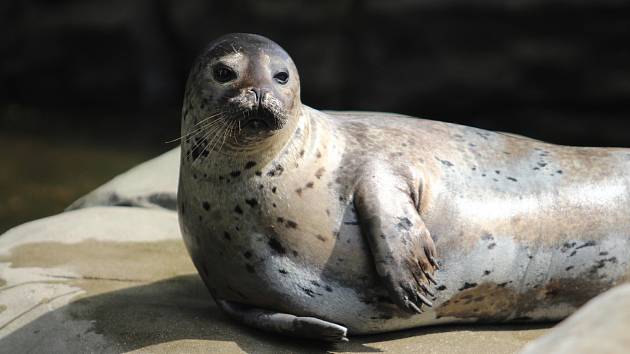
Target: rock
152,184
601,326
118,279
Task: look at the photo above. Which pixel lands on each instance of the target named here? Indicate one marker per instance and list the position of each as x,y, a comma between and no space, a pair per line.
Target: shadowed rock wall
556,69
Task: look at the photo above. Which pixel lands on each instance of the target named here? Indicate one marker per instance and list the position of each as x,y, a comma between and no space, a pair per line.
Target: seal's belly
286,264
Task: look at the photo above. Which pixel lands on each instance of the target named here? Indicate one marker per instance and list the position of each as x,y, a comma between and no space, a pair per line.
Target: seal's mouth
260,119
256,124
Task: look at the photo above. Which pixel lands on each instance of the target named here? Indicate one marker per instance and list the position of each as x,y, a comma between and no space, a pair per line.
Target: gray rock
152,184
601,326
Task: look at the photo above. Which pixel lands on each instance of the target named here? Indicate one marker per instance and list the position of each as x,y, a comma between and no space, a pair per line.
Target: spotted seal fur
316,224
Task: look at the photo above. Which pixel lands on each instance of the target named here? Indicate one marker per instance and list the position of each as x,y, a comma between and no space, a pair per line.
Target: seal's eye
223,73
281,77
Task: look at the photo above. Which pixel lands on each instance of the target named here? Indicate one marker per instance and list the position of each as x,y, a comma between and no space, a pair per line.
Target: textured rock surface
601,326
152,184
113,279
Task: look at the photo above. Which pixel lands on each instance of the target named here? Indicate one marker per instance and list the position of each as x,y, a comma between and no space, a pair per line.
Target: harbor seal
318,224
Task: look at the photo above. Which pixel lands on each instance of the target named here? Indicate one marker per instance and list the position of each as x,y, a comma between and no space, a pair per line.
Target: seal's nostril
257,94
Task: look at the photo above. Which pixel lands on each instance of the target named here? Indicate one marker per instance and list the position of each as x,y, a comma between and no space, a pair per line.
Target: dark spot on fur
492,245
276,246
467,285
206,205
486,272
310,185
497,172
487,236
328,288
327,212
227,235
321,238
258,173
250,164
274,205
282,271
274,189
512,179
567,246
320,172
604,253
444,162
251,202
542,164
315,283
302,153
295,253
280,220
318,154
308,291
276,171
503,285
260,186
559,172
568,268
238,209
235,173
299,191
250,268
586,244
404,224
291,224
441,287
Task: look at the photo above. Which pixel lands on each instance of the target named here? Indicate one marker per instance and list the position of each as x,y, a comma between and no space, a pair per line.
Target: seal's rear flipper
285,324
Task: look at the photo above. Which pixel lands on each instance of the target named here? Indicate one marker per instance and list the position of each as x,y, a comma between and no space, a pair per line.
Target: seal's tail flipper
286,324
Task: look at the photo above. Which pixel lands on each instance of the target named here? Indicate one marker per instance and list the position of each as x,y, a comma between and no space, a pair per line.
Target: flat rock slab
118,279
602,326
152,184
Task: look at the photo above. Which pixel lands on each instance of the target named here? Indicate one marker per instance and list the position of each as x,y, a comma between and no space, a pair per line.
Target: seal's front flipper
403,250
282,323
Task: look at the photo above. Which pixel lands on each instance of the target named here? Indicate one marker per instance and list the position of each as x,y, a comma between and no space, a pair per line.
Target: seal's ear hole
223,73
281,77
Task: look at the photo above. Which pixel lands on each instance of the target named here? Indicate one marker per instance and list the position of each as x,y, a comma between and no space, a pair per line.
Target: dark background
106,77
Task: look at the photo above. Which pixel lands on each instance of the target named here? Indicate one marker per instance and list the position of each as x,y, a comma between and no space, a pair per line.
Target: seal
319,224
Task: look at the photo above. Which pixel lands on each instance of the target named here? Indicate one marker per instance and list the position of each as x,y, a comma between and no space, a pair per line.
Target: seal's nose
259,94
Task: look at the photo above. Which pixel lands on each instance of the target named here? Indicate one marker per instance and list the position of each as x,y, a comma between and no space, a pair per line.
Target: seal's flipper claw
413,306
283,323
426,290
431,278
434,262
424,300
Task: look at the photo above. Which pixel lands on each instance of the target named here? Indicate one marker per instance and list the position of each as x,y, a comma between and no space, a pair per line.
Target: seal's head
246,87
